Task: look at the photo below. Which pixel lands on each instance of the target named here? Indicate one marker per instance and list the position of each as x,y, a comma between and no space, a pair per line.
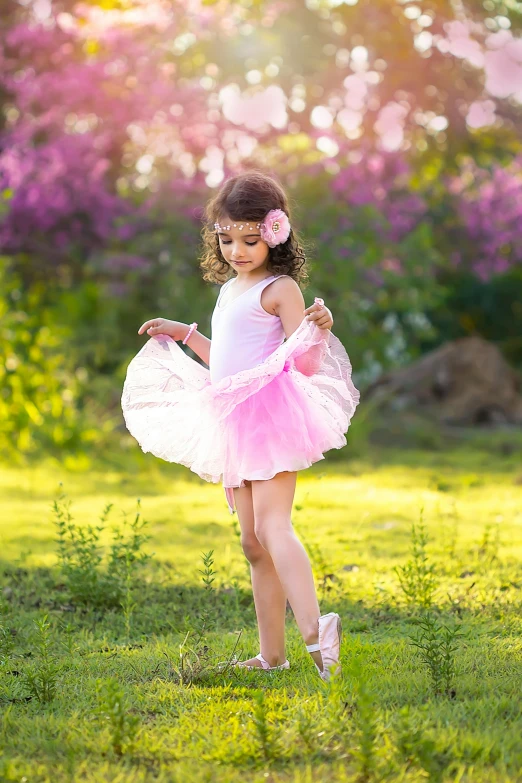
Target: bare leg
269,596
272,502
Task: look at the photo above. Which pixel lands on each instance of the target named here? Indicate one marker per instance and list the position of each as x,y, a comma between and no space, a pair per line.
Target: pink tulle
251,425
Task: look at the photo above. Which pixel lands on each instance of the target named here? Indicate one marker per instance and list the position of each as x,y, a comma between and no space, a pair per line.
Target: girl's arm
178,331
289,307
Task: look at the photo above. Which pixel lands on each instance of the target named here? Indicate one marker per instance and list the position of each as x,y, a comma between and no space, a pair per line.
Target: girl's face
242,246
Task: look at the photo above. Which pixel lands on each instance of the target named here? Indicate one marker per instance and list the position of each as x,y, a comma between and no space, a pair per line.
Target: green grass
120,711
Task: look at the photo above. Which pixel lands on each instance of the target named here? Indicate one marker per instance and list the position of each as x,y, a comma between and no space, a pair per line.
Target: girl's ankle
274,660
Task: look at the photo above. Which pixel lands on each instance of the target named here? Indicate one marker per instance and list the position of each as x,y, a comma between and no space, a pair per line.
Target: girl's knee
269,531
252,548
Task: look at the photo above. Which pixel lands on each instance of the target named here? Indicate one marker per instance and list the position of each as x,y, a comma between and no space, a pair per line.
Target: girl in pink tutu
277,394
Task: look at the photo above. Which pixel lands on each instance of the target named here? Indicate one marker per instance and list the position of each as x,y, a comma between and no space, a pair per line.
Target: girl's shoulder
281,289
283,285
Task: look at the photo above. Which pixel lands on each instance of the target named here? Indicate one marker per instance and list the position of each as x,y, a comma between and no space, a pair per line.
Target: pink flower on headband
275,228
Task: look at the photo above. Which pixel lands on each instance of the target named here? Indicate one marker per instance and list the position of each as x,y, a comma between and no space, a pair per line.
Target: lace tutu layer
251,425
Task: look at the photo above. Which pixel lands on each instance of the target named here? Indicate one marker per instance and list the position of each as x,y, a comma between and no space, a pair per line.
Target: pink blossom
275,228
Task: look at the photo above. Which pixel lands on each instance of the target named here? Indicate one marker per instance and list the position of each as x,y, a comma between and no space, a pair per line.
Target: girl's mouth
240,263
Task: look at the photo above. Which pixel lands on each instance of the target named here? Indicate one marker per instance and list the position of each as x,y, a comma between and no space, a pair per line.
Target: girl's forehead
227,220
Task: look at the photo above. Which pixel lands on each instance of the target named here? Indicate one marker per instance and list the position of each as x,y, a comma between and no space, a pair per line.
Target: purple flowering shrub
56,198
489,207
75,125
381,181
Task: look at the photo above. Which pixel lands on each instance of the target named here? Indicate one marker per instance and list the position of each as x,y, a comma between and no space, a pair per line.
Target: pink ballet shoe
265,666
329,645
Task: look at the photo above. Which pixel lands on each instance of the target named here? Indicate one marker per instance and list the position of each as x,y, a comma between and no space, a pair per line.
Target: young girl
266,407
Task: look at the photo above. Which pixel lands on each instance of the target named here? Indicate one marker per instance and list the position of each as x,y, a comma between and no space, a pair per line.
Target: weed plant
417,577
416,749
114,711
366,723
437,644
91,578
41,677
265,731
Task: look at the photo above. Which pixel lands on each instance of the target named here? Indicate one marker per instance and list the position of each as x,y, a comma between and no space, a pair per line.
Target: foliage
42,389
113,709
417,577
90,577
470,306
266,733
366,722
41,678
417,748
437,644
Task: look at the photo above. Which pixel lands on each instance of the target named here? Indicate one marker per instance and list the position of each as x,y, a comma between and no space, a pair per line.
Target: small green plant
307,728
416,749
79,552
265,732
207,617
91,578
208,573
126,555
367,724
41,677
114,710
417,577
437,645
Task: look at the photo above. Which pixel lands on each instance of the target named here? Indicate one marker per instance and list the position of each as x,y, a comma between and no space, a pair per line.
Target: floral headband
274,230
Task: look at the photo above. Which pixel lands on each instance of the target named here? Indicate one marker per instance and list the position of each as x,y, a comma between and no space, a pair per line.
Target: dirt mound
464,382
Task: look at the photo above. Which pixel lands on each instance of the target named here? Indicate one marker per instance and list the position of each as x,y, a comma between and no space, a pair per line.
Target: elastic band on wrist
193,327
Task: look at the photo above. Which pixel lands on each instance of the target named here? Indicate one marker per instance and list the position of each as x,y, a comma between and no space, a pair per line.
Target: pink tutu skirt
248,426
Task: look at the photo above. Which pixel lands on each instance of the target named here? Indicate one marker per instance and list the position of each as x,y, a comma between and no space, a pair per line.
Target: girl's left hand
320,315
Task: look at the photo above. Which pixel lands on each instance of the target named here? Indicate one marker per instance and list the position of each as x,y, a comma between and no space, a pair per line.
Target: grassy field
432,648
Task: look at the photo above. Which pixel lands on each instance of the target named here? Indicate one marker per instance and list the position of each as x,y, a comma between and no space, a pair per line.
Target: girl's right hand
175,329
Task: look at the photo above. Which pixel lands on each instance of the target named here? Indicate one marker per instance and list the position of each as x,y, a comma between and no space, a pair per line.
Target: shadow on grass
164,604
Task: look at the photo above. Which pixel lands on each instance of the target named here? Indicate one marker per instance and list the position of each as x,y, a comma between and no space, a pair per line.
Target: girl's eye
251,244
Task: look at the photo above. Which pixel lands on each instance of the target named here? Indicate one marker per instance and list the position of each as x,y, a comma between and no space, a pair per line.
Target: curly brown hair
249,197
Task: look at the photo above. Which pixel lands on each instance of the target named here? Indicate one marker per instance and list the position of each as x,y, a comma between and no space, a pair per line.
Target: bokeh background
395,126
